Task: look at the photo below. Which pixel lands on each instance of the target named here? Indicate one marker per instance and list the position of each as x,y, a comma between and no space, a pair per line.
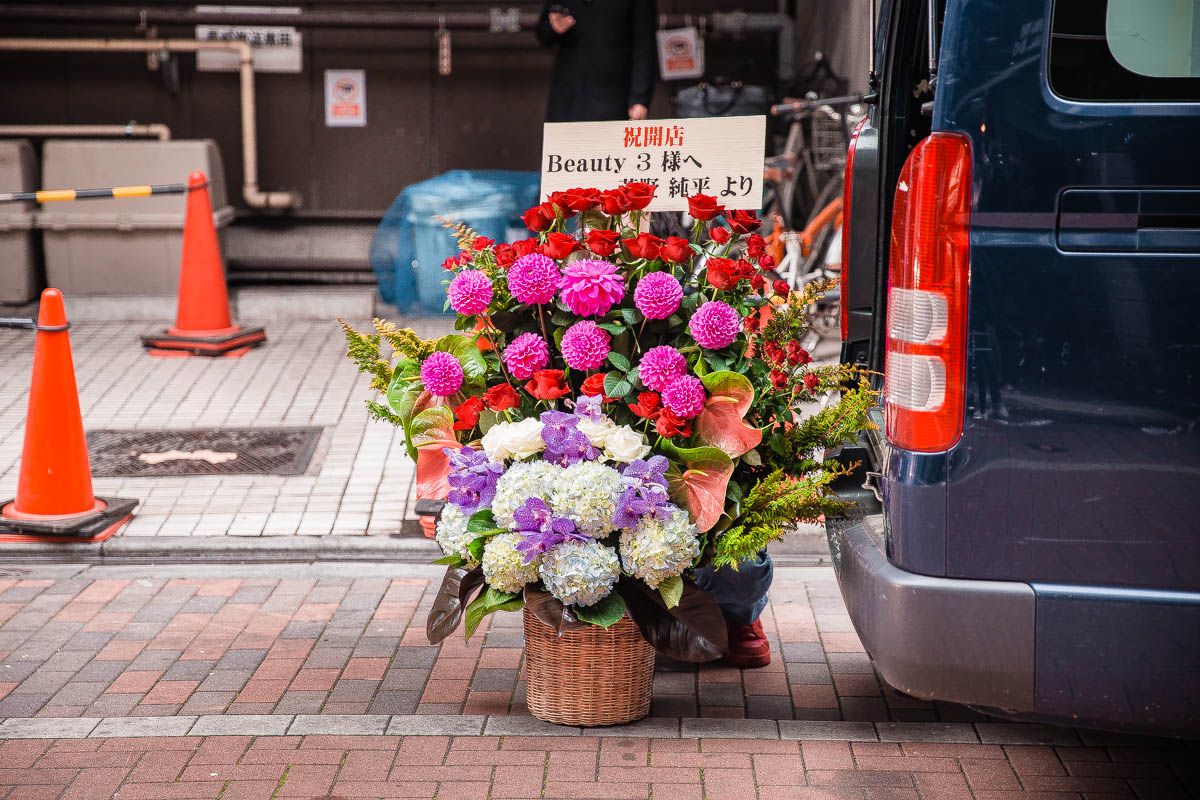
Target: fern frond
463,233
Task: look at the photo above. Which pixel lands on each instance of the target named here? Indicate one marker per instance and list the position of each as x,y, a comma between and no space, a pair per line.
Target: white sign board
277,48
345,98
719,156
680,54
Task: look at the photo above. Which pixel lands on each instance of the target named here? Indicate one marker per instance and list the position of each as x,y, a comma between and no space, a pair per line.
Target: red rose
593,386
722,273
796,354
774,352
669,426
505,255
758,283
640,194
500,397
781,288
720,235
602,243
614,202
751,323
560,199
540,218
524,247
482,243
547,384
560,245
778,378
647,405
645,246
581,199
811,381
675,250
742,221
466,415
450,263
766,262
744,269
703,206
755,245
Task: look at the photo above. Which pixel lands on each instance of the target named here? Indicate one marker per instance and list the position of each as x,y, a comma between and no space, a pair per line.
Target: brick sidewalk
318,682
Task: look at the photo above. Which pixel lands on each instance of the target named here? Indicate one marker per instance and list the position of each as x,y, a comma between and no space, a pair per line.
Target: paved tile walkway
318,682
360,480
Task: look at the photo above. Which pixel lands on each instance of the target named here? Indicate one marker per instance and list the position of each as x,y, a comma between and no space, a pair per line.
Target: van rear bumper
966,641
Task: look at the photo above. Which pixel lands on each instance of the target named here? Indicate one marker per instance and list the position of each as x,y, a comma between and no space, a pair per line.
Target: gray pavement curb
522,725
229,549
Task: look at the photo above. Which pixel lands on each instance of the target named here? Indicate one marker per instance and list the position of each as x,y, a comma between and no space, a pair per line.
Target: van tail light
848,180
928,277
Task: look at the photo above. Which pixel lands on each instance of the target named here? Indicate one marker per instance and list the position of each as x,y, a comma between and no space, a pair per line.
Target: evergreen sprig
832,426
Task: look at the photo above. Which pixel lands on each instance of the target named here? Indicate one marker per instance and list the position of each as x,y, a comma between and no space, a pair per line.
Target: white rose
514,439
597,432
625,444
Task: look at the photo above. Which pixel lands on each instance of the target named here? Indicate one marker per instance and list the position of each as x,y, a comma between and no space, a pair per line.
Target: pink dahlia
533,279
442,374
525,355
585,345
684,396
658,295
714,325
470,292
661,365
591,287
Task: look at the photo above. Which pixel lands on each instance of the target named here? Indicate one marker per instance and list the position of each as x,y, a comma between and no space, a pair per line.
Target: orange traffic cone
203,326
54,488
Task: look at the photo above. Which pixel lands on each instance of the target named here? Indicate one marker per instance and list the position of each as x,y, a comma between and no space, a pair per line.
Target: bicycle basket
828,140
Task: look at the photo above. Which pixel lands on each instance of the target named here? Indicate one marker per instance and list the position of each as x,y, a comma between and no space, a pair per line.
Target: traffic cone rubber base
229,343
109,514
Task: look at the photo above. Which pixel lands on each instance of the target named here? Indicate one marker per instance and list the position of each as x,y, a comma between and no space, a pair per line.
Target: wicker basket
588,677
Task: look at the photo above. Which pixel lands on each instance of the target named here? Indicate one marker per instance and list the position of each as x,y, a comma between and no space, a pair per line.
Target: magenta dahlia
525,355
442,374
714,325
591,287
533,279
684,396
470,292
585,345
658,295
661,365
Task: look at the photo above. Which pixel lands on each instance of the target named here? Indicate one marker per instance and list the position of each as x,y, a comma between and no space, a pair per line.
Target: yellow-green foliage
365,351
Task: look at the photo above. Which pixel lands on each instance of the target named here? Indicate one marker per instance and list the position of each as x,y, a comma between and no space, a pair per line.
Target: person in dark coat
604,67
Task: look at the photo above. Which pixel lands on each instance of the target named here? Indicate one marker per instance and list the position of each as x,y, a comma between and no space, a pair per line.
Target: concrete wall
487,114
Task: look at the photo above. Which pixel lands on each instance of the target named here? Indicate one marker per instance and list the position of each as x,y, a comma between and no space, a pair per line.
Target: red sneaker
748,645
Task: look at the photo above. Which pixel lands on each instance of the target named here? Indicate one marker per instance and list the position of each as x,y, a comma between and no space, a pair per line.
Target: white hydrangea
523,480
580,573
658,550
587,493
452,534
504,566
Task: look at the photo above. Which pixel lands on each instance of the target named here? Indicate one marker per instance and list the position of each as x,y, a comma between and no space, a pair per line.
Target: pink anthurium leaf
700,486
432,431
721,423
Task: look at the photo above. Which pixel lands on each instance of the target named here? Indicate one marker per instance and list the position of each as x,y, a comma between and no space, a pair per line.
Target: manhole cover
215,451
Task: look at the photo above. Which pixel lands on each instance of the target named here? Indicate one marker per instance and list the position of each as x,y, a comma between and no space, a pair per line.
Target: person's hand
637,111
561,23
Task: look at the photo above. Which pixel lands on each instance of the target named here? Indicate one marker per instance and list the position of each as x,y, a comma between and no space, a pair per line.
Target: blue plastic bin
410,245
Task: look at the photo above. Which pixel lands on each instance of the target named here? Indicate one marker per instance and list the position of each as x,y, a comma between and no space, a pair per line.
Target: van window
1125,50
1157,38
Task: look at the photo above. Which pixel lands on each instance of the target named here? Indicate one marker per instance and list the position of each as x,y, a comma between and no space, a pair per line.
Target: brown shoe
748,645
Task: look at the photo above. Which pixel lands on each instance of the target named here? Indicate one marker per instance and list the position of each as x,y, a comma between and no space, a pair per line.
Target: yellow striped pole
60,195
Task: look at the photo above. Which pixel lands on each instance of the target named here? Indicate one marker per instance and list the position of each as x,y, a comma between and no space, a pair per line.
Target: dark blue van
1022,265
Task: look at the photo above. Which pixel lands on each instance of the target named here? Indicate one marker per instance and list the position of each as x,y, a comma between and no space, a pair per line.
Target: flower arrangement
617,409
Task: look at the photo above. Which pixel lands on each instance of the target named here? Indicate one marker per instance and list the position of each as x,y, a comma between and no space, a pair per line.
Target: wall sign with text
719,156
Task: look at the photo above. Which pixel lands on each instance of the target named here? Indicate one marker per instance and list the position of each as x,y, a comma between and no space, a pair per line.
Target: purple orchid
542,530
589,408
472,479
565,443
645,492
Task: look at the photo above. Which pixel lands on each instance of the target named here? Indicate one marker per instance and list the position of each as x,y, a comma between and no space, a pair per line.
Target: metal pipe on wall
155,130
253,195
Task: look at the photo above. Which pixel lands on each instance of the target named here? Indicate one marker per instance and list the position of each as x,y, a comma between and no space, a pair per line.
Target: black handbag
733,100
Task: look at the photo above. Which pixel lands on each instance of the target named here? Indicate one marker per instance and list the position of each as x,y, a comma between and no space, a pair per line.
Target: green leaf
617,385
488,419
632,315
481,520
606,613
615,328
752,457
562,318
474,366
619,361
451,560
671,590
490,601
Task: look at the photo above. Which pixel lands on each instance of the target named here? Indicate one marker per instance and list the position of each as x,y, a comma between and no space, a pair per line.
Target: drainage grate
214,451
